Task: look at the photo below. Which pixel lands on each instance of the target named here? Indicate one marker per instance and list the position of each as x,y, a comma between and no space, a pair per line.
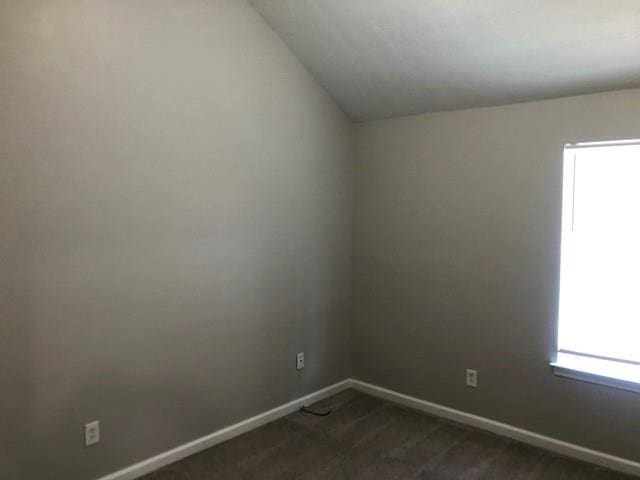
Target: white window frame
580,365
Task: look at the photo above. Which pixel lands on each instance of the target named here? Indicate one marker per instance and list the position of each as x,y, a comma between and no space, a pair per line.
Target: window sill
602,372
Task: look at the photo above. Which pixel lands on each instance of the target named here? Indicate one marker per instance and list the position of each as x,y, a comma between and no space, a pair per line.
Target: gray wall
175,223
456,263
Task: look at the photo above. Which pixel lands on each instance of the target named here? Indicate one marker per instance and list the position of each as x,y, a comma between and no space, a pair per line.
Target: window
599,313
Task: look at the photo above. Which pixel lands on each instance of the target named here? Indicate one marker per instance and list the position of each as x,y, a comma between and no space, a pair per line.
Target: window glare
600,267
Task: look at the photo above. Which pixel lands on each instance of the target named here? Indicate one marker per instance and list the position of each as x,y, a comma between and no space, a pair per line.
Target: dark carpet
368,438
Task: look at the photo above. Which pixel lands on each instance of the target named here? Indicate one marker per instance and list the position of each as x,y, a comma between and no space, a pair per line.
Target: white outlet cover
92,433
300,361
472,378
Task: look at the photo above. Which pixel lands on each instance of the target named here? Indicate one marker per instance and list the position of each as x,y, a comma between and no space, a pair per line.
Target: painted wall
175,224
457,232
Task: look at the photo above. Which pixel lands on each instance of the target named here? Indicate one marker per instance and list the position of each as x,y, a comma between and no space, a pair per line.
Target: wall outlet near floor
300,361
92,433
472,378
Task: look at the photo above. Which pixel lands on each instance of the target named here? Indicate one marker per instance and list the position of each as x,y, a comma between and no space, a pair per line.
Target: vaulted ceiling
382,58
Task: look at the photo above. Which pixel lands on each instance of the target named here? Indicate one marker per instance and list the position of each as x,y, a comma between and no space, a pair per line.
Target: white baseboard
178,453
563,448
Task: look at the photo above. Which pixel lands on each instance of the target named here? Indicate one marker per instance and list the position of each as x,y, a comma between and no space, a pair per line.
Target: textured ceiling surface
382,58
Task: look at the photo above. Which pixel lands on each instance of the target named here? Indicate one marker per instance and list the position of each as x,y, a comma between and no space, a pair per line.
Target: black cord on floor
317,414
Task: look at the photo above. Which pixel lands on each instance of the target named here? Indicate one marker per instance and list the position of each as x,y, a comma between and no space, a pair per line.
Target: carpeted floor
368,438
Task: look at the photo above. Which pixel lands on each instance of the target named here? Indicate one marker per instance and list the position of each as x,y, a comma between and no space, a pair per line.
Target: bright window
599,316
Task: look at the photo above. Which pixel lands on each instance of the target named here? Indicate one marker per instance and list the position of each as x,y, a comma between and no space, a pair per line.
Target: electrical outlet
92,433
472,378
300,361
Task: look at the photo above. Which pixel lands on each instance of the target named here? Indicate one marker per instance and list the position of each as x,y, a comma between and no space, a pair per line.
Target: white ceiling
382,58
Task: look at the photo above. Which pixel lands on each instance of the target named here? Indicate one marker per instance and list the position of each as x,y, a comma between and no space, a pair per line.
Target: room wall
457,231
175,224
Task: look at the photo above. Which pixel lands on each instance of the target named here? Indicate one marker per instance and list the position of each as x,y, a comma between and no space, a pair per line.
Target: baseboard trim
146,466
558,446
